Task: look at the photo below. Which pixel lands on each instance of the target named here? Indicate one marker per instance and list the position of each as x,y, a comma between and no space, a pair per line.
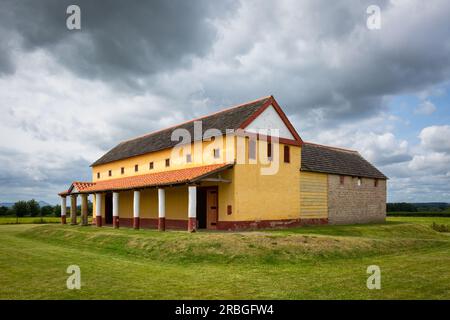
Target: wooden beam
215,180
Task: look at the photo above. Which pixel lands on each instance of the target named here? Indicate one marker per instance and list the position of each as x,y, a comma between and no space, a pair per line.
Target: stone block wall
349,203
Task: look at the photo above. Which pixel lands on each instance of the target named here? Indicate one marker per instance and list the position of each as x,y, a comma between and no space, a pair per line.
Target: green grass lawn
445,213
323,262
34,220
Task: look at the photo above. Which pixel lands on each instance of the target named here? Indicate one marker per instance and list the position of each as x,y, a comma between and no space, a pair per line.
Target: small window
167,162
110,173
229,209
342,178
136,168
375,183
122,170
98,175
216,153
287,156
269,151
188,158
150,165
359,182
251,149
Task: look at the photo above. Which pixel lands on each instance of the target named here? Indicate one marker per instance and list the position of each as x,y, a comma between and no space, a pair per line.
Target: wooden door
212,210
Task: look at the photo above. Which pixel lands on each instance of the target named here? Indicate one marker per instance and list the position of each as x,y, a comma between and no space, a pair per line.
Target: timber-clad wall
313,195
349,203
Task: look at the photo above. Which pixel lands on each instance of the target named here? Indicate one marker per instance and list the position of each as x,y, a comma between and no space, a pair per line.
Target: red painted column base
116,222
136,222
162,224
63,220
192,224
98,221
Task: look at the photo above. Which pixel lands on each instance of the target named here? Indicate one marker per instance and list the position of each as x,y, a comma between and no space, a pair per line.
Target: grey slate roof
227,119
318,158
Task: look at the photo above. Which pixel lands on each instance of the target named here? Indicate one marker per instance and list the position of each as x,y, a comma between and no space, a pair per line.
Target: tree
401,207
57,210
4,211
35,210
20,209
47,211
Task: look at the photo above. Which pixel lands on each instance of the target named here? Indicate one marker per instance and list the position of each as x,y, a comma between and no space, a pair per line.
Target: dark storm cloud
6,63
326,60
118,40
34,179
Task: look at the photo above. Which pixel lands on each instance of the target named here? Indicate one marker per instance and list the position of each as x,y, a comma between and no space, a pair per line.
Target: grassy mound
269,247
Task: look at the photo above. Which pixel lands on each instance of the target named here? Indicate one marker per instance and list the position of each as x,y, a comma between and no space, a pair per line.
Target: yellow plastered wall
177,203
313,195
177,160
267,197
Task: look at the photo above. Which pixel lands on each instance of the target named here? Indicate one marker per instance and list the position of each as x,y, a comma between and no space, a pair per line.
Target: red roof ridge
86,182
331,147
198,118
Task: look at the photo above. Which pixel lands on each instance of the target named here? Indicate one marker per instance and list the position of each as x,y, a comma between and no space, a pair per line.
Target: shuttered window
251,149
287,154
269,151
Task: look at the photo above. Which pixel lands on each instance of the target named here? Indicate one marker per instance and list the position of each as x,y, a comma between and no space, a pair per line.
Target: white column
98,204
63,206
161,203
136,201
136,209
115,209
192,209
63,210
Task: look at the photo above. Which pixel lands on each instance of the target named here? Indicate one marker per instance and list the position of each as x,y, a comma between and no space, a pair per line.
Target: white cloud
425,108
436,138
431,163
54,125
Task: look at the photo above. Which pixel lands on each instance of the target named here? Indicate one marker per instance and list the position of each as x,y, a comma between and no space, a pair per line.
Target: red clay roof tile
148,180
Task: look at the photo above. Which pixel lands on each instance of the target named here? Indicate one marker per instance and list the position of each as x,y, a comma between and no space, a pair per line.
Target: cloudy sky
67,96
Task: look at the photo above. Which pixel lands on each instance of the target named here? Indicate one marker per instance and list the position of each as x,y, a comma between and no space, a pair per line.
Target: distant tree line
31,208
417,207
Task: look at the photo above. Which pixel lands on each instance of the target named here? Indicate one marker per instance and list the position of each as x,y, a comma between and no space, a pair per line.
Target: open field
324,262
34,220
445,213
